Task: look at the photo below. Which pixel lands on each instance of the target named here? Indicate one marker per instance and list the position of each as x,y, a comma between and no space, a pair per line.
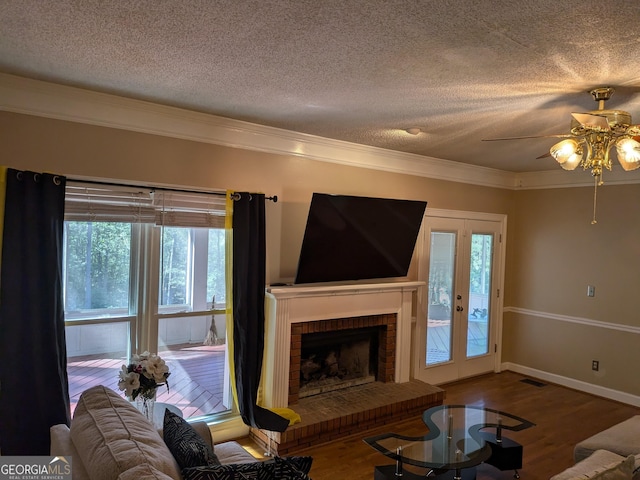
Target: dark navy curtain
248,273
34,391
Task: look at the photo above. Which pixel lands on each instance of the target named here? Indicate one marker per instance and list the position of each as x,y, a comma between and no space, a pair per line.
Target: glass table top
453,440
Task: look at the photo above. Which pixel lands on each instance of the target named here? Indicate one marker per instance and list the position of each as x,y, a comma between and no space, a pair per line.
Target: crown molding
50,100
578,178
44,99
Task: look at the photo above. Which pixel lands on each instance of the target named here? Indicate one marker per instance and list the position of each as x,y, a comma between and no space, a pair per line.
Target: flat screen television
357,238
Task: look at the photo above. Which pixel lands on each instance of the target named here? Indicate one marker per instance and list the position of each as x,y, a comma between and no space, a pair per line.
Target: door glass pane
439,314
479,289
196,382
97,258
194,346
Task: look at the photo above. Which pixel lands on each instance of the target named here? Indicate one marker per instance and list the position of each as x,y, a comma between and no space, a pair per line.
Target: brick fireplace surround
386,345
294,310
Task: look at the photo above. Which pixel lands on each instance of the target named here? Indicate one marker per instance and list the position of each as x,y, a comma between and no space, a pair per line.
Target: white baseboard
579,385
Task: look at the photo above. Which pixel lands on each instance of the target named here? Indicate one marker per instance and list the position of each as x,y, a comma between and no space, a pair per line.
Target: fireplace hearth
295,311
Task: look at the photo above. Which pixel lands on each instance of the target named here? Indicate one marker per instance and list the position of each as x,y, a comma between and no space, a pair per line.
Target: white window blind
106,203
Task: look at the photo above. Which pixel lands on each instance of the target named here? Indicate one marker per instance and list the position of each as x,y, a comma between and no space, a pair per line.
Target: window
145,270
97,266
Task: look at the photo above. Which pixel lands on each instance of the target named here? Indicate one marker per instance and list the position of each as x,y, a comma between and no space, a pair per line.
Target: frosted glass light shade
628,153
567,153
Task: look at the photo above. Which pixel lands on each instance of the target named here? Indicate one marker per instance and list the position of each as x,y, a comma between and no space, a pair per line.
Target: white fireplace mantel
296,304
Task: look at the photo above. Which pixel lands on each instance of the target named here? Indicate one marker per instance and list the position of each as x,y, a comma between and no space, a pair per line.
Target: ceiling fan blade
548,154
561,135
590,120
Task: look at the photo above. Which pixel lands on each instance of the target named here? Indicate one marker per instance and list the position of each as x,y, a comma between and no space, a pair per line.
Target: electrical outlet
595,365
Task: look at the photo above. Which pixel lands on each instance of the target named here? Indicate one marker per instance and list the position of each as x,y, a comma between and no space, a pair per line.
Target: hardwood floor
562,416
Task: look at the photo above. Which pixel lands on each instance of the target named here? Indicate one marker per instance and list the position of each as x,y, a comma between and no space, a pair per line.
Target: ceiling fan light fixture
593,135
568,153
628,153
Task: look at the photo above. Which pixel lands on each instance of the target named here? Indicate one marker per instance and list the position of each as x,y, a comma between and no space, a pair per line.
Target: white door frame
419,343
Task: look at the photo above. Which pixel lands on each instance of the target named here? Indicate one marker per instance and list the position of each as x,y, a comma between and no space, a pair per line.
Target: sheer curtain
34,390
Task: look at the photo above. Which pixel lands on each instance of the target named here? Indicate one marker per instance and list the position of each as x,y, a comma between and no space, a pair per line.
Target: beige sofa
611,454
109,439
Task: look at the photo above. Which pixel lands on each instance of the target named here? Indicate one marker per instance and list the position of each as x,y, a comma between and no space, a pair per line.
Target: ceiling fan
591,138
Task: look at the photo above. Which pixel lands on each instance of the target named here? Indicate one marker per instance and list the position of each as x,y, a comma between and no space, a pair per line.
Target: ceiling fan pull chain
595,198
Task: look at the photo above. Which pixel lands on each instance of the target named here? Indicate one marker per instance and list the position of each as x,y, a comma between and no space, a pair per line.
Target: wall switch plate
591,291
595,365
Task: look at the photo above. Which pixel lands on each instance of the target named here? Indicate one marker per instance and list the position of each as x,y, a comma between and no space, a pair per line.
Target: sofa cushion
232,452
62,446
112,436
602,465
203,430
188,448
622,438
144,471
616,471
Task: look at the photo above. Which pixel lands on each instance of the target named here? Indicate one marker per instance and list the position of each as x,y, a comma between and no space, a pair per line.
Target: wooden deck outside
195,383
439,339
197,372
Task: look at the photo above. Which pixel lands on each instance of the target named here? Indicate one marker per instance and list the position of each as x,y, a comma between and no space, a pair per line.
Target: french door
461,257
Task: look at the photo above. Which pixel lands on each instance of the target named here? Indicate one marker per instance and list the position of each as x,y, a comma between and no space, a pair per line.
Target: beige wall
555,252
73,149
552,253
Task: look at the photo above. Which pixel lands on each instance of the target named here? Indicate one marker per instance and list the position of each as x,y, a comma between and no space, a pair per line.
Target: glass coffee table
454,444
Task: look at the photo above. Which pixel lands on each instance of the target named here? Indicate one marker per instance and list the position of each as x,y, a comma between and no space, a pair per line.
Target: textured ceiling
362,71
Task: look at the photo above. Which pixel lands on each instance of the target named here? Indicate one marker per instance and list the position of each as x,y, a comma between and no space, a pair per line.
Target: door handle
459,308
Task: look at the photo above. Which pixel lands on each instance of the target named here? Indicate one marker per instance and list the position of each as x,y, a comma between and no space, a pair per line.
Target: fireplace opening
338,359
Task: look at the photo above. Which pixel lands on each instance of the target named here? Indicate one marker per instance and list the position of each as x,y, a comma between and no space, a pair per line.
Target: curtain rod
234,196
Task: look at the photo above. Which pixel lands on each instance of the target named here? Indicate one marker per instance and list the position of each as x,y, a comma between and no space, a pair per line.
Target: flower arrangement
144,374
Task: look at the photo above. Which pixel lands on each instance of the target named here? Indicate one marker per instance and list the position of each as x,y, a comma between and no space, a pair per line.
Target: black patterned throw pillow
187,447
300,463
237,471
288,468
292,468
